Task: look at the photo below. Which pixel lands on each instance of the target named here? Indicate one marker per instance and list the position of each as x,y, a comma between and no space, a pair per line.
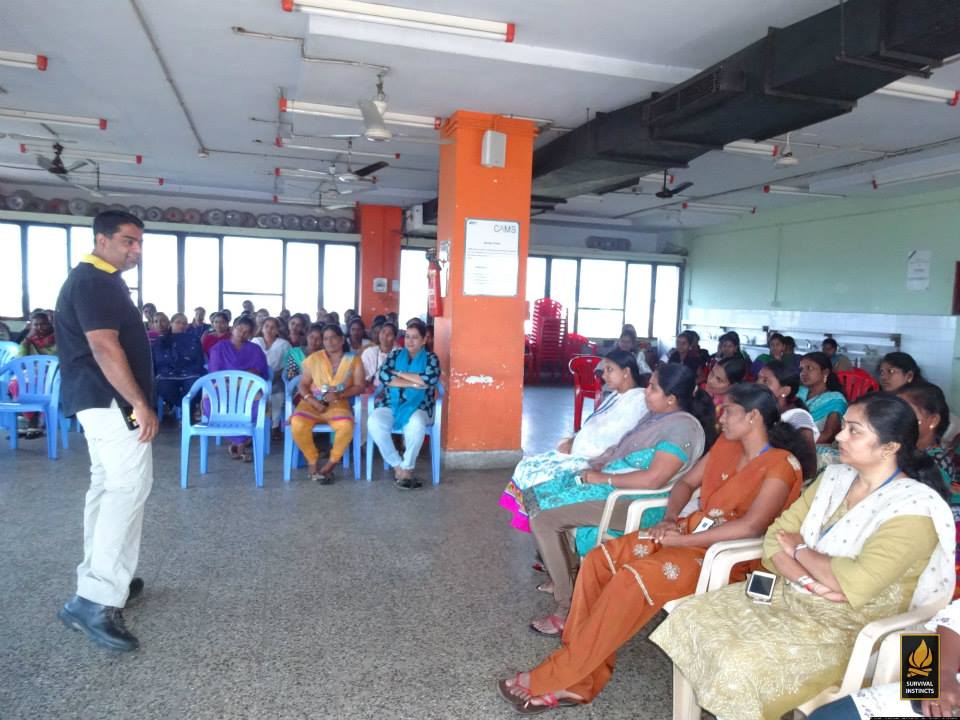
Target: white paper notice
491,257
918,270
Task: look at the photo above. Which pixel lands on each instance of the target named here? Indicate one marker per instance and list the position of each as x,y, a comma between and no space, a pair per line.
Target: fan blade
45,163
681,187
93,191
371,168
78,164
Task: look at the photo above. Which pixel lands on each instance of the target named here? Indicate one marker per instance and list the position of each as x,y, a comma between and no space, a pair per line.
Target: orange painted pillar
381,233
479,336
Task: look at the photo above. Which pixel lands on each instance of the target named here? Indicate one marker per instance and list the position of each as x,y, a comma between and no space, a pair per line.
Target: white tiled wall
928,338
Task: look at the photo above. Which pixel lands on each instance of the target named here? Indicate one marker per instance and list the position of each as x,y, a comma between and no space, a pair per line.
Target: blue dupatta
412,397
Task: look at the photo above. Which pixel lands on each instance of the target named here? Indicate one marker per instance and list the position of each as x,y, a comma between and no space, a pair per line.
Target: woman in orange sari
328,379
746,480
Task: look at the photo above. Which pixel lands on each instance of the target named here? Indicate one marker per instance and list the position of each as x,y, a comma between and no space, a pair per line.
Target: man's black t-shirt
95,297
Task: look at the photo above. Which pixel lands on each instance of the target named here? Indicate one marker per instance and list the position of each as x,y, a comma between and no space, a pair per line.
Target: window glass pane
201,274
601,284
81,243
11,278
158,268
637,310
234,303
563,286
253,265
599,323
666,303
303,277
46,265
339,278
413,285
536,285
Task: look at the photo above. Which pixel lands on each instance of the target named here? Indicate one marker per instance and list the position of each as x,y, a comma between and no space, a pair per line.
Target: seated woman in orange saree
746,480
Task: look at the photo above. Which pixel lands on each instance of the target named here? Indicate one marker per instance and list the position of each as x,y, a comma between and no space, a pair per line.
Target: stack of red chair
549,340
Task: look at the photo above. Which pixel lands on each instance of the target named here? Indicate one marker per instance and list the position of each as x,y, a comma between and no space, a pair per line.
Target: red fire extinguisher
434,298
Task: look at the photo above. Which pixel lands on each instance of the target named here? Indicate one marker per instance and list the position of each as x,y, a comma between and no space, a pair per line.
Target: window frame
181,236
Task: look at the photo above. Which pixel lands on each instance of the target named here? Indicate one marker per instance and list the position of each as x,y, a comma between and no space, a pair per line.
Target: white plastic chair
291,453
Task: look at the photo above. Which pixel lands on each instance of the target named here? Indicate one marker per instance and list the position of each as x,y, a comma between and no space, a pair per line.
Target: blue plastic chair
266,430
38,381
292,457
8,351
433,432
231,395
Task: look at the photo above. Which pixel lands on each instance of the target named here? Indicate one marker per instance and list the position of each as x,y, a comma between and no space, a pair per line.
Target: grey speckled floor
294,601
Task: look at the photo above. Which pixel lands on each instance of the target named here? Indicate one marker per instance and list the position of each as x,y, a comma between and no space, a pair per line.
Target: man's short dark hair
109,221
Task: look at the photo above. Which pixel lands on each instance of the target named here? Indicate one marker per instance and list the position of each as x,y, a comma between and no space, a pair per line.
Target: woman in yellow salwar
870,538
328,379
746,479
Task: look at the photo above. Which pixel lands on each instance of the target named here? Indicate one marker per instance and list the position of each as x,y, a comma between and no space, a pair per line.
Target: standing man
107,382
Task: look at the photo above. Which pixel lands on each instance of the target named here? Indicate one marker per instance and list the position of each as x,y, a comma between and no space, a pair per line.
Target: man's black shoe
136,589
101,623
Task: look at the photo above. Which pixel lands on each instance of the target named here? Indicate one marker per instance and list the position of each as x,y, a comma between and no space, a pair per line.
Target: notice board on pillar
491,260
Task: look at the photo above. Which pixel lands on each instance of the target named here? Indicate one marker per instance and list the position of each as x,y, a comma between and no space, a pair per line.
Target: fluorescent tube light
914,178
23,60
301,173
353,113
280,142
749,147
287,200
405,18
125,179
923,93
72,153
719,209
52,118
787,190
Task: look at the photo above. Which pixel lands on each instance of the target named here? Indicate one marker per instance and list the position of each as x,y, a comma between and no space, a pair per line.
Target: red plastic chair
585,384
856,383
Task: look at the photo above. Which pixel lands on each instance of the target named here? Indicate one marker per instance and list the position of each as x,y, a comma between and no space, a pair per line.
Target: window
666,303
339,278
303,277
158,269
600,308
201,274
11,289
636,312
46,264
413,285
563,287
536,285
252,270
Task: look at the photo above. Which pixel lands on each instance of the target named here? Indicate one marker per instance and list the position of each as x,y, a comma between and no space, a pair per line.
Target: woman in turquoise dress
664,445
822,394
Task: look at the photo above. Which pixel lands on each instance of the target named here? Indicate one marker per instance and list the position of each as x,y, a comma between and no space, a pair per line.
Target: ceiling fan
666,193
374,124
56,166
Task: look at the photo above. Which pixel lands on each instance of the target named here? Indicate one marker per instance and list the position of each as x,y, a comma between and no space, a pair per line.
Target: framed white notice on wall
491,260
918,270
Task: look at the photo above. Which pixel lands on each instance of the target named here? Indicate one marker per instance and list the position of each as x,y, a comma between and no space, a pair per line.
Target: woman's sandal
546,587
507,691
236,452
554,622
550,702
247,454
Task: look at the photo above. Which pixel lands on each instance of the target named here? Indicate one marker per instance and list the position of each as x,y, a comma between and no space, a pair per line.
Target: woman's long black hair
780,435
627,360
893,420
787,376
904,362
735,368
823,361
681,382
929,398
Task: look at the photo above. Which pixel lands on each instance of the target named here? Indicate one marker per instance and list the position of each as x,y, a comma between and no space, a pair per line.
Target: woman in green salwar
871,538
